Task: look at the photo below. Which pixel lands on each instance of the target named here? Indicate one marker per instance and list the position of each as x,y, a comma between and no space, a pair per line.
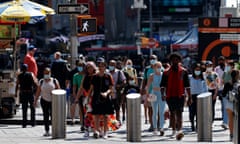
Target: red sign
151,42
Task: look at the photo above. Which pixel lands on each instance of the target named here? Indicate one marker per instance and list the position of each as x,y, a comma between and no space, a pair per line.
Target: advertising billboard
218,37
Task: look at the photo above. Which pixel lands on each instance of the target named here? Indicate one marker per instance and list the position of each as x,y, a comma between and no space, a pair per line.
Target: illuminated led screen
179,2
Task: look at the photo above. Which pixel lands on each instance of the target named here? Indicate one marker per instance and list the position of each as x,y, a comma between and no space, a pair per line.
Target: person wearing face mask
69,88
219,69
197,85
228,85
158,106
212,80
131,83
131,71
118,87
77,80
147,106
44,89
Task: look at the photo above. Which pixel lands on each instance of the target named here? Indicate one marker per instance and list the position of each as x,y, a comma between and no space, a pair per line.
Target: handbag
152,98
231,95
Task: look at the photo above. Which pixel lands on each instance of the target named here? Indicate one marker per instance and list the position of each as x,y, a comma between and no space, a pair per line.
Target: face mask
152,62
209,69
197,72
159,69
131,82
111,68
46,76
129,66
227,68
80,69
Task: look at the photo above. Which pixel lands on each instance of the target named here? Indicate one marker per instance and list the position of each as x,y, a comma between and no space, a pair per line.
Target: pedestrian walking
219,69
147,106
69,88
60,69
231,83
212,80
102,106
77,80
198,85
158,105
84,92
131,84
30,60
118,87
175,82
26,81
44,90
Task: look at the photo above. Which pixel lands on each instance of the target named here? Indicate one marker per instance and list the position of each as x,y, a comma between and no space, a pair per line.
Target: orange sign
206,22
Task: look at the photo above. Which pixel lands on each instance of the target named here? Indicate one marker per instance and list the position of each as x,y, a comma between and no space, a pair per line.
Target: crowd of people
99,88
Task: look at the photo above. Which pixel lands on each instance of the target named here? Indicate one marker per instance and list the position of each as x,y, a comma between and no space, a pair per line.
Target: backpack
120,82
54,81
26,81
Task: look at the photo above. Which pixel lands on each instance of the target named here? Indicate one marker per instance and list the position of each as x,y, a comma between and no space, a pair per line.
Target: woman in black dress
101,86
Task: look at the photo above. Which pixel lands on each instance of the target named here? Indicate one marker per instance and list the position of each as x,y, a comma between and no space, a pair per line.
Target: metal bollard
133,117
58,113
204,117
236,120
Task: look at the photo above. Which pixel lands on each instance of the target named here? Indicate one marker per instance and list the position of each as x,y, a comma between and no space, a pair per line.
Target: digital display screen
176,6
179,2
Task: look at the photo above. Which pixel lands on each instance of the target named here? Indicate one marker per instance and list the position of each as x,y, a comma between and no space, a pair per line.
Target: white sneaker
173,133
86,134
155,132
105,136
101,134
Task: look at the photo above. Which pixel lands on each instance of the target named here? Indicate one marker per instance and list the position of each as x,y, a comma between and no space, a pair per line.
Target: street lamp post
151,23
73,39
138,4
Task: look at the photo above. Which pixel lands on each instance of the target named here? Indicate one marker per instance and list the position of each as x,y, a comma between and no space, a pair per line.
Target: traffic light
87,25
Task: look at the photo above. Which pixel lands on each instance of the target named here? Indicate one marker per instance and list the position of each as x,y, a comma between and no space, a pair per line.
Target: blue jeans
223,107
158,108
224,110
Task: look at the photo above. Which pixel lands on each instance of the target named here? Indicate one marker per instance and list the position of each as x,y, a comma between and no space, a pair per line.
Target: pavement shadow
12,127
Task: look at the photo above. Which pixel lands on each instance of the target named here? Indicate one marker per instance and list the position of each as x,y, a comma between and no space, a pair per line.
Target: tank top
156,80
46,89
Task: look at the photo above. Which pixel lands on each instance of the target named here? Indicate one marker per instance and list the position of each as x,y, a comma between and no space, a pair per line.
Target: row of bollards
204,116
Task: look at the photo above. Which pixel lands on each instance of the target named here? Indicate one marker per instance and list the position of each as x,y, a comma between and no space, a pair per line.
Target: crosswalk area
15,134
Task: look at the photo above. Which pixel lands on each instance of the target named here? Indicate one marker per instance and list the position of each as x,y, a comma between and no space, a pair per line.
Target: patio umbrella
19,11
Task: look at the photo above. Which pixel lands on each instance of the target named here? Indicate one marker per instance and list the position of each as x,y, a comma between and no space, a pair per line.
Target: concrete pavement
14,134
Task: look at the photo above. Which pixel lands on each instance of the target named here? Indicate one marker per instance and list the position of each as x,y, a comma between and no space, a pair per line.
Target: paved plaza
13,133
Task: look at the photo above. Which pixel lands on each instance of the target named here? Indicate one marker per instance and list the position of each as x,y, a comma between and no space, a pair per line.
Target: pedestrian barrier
204,117
58,113
133,117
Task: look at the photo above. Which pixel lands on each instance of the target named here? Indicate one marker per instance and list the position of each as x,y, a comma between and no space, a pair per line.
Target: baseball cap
32,47
24,67
100,60
208,63
221,58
